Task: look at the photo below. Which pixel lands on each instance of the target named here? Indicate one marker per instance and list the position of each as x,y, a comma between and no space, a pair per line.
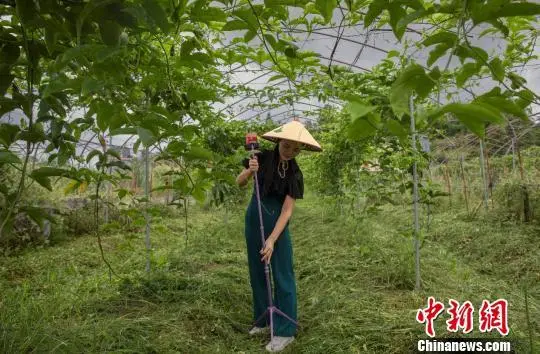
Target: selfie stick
253,146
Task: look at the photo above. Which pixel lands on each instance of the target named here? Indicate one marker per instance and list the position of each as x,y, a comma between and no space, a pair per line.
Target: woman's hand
267,250
253,164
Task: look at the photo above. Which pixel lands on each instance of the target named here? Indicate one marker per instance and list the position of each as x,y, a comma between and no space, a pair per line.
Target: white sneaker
257,330
278,343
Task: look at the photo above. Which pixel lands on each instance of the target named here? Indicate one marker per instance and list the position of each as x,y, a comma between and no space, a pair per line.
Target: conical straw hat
294,131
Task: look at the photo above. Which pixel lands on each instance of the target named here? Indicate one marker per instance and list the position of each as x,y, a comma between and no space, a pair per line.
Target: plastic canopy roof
351,46
358,49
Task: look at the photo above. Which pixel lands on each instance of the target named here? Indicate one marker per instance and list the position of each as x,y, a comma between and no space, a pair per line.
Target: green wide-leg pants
284,285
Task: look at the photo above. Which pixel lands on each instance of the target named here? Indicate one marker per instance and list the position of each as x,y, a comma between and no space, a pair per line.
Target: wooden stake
464,181
483,172
447,178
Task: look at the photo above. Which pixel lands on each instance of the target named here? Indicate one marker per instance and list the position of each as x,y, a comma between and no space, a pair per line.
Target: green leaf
110,32
9,54
435,73
526,97
497,69
157,14
189,131
375,9
357,109
197,93
90,85
93,153
199,194
208,14
35,135
146,136
436,53
52,157
8,134
198,153
517,81
7,105
50,172
518,9
104,115
122,193
26,11
441,37
412,78
276,77
51,36
404,21
124,131
326,8
246,14
8,157
272,41
136,146
360,128
182,185
249,35
5,82
290,52
197,60
392,53
106,52
120,164
498,24
396,128
113,153
396,14
473,115
504,104
278,3
476,53
468,70
43,181
235,25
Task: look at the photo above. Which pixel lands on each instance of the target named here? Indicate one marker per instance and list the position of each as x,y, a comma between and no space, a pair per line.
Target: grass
354,281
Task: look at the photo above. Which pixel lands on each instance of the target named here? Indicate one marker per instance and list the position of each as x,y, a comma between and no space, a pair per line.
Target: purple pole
266,268
271,308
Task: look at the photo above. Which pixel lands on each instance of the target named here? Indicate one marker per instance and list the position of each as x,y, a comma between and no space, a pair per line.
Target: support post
415,198
147,215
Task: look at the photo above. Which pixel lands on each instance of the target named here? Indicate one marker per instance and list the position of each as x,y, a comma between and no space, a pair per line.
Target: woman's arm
243,177
286,213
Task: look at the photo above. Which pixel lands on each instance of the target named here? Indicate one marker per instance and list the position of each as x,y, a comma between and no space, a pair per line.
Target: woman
280,184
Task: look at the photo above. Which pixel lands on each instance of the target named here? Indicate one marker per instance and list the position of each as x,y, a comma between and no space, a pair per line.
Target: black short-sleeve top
271,183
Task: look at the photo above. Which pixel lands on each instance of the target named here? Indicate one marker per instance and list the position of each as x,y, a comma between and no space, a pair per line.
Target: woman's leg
284,285
256,267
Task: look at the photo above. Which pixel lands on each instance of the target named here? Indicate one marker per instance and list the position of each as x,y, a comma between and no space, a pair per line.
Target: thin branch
340,34
248,96
344,63
344,39
261,37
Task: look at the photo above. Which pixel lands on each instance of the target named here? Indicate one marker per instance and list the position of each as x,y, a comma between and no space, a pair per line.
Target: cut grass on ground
354,285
